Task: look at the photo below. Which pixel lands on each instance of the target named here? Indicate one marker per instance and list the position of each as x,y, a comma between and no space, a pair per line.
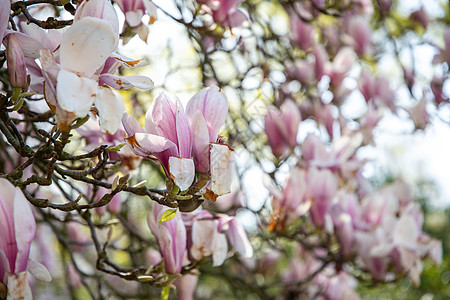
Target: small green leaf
165,293
116,147
168,215
144,278
79,122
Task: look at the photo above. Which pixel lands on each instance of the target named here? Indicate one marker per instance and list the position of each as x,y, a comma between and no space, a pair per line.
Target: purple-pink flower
186,142
171,237
17,230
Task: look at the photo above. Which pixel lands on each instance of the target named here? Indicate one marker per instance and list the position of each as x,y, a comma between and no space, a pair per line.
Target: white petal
86,45
110,109
18,288
38,270
221,165
75,94
129,62
127,82
182,171
220,249
133,17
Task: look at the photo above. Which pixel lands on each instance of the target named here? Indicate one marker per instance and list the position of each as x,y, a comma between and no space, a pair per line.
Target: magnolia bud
16,64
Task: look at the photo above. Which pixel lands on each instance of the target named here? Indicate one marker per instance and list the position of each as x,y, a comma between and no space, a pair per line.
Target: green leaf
168,215
79,122
115,148
165,293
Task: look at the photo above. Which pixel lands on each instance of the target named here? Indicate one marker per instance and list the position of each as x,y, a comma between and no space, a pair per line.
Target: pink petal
239,239
5,10
200,142
25,229
130,124
214,106
183,132
101,9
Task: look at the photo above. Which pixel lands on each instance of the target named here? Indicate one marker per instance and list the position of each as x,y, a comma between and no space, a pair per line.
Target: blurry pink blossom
5,10
171,238
134,10
301,32
224,12
186,142
281,127
17,230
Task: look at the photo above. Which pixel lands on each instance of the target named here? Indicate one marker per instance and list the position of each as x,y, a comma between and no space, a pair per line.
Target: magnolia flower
359,35
281,127
341,65
376,90
171,238
322,187
208,236
17,230
291,202
72,86
133,11
167,137
225,12
302,33
186,142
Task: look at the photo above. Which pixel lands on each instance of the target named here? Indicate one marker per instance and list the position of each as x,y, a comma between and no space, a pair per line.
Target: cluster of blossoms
193,236
378,229
74,68
326,220
77,65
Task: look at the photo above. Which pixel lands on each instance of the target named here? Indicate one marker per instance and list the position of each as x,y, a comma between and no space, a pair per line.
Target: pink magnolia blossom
321,59
167,137
281,127
186,142
322,187
134,10
171,238
302,33
341,65
225,12
208,236
359,35
377,90
290,203
17,230
16,64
